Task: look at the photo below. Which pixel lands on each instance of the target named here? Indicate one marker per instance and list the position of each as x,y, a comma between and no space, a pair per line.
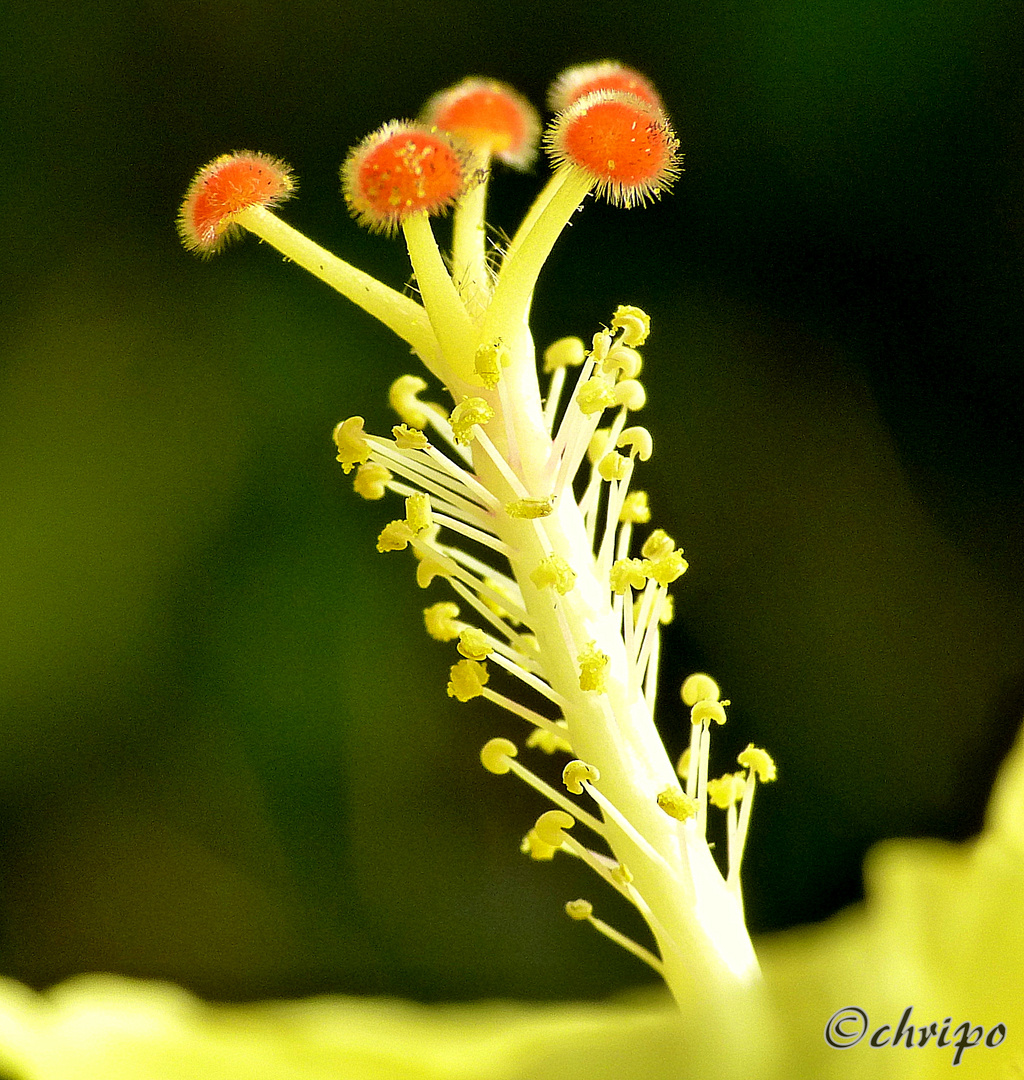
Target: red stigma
228,184
400,170
490,116
628,148
576,82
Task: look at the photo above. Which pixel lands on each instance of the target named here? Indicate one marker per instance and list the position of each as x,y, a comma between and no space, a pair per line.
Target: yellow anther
630,393
530,508
542,739
706,711
639,441
565,352
466,680
668,610
600,344
495,755
427,570
488,362
466,416
760,761
634,323
593,669
594,396
625,360
407,438
395,536
579,910
726,790
417,513
658,545
553,572
598,445
352,444
552,825
627,574
683,764
576,773
677,804
440,619
621,874
666,569
699,687
402,398
473,644
371,480
635,508
613,466
533,846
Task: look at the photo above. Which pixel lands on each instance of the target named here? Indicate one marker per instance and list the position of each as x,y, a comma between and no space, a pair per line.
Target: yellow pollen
402,398
613,466
533,846
371,479
627,574
600,344
555,573
683,764
495,755
626,361
598,444
635,509
473,644
699,687
634,323
544,740
417,513
395,536
440,619
677,804
576,772
488,362
551,826
630,393
427,570
639,441
726,790
467,415
706,711
407,438
658,545
579,910
466,680
760,761
530,508
565,352
593,669
352,444
594,396
666,569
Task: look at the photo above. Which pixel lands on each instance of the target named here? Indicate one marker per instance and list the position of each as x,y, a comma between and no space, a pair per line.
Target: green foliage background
227,756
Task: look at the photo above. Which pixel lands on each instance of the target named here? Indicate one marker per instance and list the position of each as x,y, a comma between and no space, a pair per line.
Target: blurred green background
227,755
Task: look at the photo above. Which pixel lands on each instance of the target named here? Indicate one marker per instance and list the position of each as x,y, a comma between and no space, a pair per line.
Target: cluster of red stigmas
609,125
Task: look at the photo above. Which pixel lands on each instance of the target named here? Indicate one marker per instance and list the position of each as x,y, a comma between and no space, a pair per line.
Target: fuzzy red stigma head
628,148
228,184
402,169
491,117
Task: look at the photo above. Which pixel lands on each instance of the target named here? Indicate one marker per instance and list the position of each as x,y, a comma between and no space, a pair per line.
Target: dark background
227,757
